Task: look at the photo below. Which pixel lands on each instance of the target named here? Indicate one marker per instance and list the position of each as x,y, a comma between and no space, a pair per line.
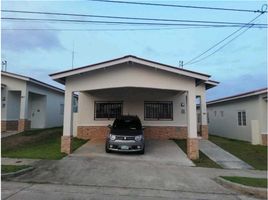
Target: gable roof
31,80
239,96
60,76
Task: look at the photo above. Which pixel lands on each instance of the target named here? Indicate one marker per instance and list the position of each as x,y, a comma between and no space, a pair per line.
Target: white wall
12,84
53,101
227,126
133,104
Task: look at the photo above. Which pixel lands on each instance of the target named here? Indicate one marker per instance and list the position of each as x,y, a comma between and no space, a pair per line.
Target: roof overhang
240,96
211,84
61,76
31,80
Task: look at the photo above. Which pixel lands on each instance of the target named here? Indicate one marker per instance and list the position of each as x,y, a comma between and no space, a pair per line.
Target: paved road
29,191
118,177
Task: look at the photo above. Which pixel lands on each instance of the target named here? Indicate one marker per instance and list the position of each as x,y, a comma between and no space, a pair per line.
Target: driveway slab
222,157
166,151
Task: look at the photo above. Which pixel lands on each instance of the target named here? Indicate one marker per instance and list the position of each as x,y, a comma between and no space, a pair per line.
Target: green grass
254,182
12,168
203,160
254,155
43,144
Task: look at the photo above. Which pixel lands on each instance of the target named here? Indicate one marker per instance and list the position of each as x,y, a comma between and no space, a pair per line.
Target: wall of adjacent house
51,105
12,93
223,118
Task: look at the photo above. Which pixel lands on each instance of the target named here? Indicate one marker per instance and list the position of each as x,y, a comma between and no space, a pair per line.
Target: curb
17,173
252,191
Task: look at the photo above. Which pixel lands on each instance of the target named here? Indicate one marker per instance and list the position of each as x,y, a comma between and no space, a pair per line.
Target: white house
163,96
28,103
242,117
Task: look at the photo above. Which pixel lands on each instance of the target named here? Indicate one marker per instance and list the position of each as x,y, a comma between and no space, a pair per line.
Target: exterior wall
11,85
150,132
133,104
51,105
126,75
227,126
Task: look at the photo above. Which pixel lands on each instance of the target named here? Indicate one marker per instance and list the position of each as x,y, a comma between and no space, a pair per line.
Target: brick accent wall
24,124
11,125
66,144
204,131
150,132
92,132
165,132
264,139
192,148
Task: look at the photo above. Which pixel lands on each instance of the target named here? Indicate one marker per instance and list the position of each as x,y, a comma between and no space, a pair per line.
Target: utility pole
73,56
4,65
181,64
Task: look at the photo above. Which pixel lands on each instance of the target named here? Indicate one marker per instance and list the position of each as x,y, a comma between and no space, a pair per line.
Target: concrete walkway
222,157
18,161
8,133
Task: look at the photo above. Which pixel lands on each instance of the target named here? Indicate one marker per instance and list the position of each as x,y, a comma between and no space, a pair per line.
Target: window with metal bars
242,120
158,110
107,110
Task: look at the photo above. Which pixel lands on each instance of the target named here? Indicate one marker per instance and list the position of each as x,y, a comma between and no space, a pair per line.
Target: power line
193,59
123,23
123,17
181,6
221,46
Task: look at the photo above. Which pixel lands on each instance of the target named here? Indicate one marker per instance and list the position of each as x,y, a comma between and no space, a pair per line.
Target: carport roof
60,76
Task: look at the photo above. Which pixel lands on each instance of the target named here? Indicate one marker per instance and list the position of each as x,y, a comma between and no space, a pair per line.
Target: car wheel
142,151
107,150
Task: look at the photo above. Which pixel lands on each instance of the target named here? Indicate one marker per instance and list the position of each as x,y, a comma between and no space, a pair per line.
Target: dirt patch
28,137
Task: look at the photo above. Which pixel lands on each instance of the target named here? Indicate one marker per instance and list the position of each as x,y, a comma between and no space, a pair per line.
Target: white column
24,104
191,114
68,114
203,106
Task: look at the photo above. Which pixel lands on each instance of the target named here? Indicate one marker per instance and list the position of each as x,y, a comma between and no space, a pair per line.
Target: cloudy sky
240,66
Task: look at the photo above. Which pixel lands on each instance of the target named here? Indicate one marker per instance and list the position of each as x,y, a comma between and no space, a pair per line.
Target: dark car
126,135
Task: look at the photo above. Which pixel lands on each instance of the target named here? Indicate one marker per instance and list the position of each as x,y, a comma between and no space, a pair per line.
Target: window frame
158,119
241,118
109,102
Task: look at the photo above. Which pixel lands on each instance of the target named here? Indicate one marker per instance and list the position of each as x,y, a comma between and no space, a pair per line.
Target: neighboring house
28,103
162,96
242,117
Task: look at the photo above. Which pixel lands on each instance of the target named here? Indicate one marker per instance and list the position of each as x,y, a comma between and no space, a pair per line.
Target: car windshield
127,124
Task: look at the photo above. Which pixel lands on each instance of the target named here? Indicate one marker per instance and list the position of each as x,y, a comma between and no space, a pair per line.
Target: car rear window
127,124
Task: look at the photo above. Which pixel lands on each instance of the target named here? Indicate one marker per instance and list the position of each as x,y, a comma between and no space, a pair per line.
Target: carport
164,98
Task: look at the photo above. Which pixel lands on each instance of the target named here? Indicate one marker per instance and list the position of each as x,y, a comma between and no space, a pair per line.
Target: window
108,110
158,110
242,120
208,117
61,109
222,113
215,113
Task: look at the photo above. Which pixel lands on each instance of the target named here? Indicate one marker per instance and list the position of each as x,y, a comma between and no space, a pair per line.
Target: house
242,117
162,96
28,103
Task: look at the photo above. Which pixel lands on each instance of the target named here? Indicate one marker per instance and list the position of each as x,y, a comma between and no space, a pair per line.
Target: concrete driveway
163,151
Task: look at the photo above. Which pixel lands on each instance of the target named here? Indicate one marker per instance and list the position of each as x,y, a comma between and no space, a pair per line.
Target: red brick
24,124
264,139
192,148
66,144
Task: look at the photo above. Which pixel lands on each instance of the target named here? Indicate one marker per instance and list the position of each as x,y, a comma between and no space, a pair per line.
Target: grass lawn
254,182
203,160
255,155
12,168
36,144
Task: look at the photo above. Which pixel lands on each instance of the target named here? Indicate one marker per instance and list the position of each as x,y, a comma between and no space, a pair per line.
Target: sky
241,66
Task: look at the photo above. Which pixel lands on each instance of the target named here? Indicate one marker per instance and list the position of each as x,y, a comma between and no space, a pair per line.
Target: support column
66,139
204,124
24,123
192,140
